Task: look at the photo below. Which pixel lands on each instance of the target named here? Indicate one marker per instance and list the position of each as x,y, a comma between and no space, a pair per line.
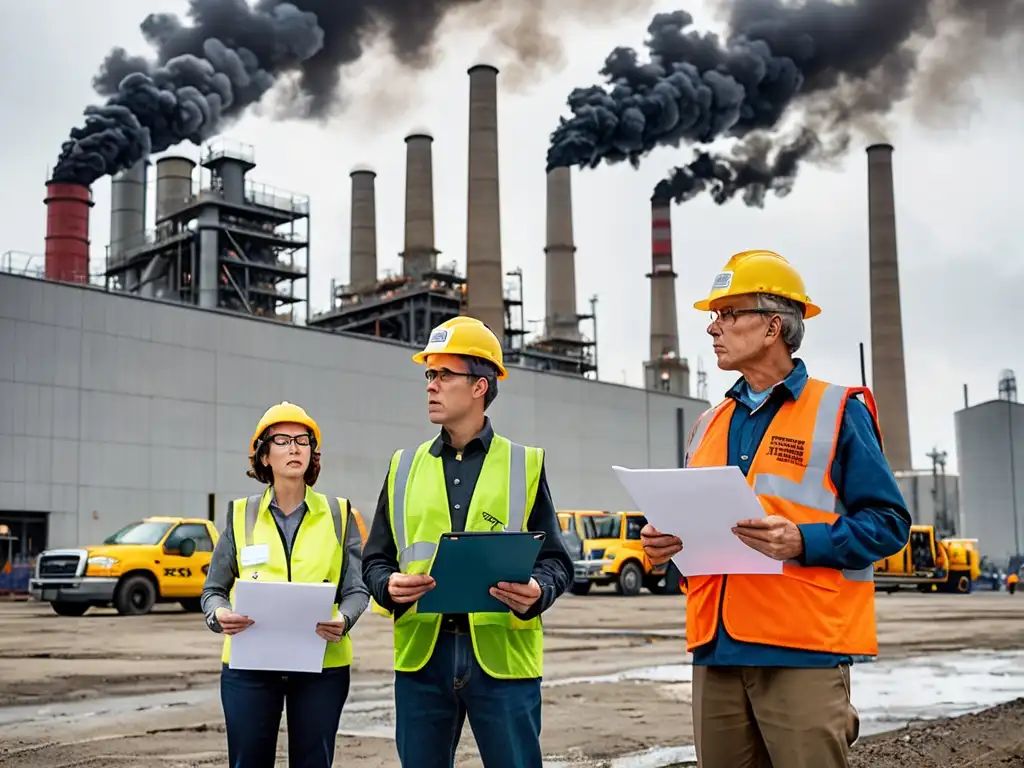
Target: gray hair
792,316
485,369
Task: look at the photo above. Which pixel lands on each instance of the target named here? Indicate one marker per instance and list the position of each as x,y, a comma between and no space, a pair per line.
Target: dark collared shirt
554,567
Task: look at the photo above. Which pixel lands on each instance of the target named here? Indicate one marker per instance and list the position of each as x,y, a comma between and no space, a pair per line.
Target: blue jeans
253,702
431,707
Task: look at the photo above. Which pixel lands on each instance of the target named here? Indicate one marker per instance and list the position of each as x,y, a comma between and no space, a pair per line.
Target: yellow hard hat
464,336
759,272
285,412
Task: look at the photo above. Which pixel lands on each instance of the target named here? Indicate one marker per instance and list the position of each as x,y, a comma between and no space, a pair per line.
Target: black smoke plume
831,66
228,55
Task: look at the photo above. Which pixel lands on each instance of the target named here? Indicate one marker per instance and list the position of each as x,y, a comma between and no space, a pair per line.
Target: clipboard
467,564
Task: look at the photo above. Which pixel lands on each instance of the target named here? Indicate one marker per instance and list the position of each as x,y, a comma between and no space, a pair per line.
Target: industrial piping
562,322
67,232
888,367
420,255
485,292
363,242
665,371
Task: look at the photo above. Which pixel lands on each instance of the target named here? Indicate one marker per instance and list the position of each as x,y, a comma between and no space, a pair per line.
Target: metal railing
229,148
34,265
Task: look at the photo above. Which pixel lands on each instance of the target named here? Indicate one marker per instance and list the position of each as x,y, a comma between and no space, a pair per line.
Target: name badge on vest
257,554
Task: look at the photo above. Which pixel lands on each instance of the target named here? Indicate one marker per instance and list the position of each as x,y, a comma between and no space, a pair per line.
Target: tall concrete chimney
561,321
665,370
485,291
363,236
888,368
128,217
420,255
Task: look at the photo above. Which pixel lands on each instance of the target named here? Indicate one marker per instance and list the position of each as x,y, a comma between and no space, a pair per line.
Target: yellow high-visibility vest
505,647
318,553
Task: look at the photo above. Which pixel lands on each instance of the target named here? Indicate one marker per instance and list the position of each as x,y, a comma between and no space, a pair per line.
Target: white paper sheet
700,506
283,636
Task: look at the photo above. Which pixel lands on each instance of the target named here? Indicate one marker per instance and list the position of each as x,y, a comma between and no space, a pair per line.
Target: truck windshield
602,526
139,533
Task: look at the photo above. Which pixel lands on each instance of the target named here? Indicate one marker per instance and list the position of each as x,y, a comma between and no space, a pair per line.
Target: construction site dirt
104,690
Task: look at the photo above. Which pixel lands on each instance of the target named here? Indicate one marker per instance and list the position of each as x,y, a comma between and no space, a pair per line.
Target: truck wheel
630,580
580,588
961,583
69,609
192,605
135,596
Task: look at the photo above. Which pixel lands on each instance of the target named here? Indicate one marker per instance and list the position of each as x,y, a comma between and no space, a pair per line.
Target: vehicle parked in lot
153,560
612,554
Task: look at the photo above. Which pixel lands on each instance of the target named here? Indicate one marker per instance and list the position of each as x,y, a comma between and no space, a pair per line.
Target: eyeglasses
726,318
283,440
443,374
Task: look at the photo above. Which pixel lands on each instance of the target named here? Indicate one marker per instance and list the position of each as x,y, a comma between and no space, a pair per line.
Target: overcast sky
957,187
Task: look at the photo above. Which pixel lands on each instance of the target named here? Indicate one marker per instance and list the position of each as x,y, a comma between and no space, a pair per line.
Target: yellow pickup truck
611,553
156,559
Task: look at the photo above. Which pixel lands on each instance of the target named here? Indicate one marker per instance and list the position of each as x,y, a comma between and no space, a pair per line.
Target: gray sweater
353,596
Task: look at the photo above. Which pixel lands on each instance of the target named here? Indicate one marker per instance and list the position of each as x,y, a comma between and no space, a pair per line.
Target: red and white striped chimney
664,371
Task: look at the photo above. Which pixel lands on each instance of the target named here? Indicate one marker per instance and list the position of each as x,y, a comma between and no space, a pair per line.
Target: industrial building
137,396
990,452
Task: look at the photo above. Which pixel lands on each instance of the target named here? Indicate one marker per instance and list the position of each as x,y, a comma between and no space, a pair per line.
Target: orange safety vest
814,609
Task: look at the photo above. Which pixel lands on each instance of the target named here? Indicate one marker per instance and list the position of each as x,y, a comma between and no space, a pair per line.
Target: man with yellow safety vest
484,665
772,653
287,532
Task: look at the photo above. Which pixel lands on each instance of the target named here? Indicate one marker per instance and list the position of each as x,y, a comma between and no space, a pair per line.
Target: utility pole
943,525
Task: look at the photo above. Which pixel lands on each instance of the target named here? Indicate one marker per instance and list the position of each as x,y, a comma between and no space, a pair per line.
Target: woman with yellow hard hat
289,532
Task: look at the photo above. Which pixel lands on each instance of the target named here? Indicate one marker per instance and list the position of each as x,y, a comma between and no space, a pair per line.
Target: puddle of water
888,694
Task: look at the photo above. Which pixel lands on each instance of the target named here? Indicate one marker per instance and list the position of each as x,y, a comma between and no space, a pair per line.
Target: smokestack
419,256
485,291
888,368
67,231
561,321
128,216
665,371
363,242
173,185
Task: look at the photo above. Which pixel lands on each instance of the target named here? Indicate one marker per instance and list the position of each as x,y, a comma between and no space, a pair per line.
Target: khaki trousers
773,717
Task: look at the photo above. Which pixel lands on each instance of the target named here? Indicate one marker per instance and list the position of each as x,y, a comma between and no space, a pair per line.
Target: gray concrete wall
987,435
113,407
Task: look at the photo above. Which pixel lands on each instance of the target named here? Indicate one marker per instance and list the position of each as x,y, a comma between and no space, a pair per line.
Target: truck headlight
102,561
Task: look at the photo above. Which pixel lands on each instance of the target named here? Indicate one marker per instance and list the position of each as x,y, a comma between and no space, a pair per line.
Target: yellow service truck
930,564
156,559
611,554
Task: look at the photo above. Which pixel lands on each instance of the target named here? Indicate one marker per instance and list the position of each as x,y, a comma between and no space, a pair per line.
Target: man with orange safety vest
772,653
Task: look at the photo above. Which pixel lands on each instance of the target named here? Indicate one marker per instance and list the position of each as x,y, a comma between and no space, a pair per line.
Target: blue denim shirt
876,523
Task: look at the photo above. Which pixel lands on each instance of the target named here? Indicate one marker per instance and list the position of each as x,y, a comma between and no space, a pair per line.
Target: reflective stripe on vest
809,607
322,554
424,550
252,511
505,646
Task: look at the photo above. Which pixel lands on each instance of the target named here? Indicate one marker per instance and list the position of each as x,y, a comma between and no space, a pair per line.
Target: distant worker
772,653
484,665
288,533
1011,582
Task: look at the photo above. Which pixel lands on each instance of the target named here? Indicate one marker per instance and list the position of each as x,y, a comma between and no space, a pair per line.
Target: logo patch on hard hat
722,281
439,338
